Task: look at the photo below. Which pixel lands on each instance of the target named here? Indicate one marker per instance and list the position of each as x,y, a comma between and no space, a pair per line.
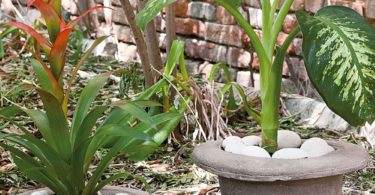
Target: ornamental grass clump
61,159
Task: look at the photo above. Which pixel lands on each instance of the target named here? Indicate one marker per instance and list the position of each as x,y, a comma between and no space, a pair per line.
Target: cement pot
241,175
108,190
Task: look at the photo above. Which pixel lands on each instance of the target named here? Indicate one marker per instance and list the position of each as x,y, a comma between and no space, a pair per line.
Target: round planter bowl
108,190
243,175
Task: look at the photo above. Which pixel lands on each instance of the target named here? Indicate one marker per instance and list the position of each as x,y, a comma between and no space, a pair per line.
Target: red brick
191,27
223,16
224,34
290,23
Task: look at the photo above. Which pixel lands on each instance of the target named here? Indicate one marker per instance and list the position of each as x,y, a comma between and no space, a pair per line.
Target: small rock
251,140
42,192
288,139
122,194
231,139
255,151
290,153
234,147
315,147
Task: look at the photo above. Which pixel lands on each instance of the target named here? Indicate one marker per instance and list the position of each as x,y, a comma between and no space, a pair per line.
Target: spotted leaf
339,53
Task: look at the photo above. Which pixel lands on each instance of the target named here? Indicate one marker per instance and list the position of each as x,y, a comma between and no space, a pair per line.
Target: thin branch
140,41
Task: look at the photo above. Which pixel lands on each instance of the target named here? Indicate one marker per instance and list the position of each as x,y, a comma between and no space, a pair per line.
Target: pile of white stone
289,143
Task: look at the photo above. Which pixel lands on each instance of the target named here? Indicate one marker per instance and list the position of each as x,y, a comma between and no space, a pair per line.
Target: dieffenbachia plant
339,54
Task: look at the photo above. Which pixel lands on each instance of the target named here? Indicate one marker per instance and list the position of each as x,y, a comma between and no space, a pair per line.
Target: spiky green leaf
150,11
339,53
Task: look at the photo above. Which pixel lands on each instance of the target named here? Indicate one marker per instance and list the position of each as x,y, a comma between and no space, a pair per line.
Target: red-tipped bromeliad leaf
43,42
57,54
52,18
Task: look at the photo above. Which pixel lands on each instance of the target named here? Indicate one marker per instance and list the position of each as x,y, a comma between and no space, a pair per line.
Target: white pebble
42,192
234,147
290,153
255,151
316,147
231,139
251,140
288,139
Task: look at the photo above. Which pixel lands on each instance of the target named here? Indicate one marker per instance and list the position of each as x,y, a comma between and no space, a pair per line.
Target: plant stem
265,62
152,41
270,110
140,41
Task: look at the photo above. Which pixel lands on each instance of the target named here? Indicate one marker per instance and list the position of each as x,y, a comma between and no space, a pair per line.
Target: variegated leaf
339,54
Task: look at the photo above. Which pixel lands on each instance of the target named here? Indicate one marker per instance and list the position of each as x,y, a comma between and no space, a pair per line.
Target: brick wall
211,34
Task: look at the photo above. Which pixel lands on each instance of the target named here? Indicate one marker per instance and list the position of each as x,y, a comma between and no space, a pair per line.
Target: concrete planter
243,175
108,190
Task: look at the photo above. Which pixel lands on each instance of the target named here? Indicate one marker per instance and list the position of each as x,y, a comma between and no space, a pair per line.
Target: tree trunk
140,41
91,21
153,43
171,25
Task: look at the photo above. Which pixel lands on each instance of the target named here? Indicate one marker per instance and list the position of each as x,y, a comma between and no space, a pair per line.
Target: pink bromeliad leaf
73,22
57,54
50,15
43,42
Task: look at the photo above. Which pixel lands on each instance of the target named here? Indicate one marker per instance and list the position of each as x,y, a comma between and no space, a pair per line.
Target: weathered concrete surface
108,190
322,186
314,113
346,158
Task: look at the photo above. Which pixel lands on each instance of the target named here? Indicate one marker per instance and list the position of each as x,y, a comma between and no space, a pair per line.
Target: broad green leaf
339,54
109,180
2,52
57,122
87,126
233,3
10,111
41,121
86,98
177,49
150,11
42,75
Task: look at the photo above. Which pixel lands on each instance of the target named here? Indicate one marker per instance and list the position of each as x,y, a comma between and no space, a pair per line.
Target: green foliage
63,157
339,53
150,11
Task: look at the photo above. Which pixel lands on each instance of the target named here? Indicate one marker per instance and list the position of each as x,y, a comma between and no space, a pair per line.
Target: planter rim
346,158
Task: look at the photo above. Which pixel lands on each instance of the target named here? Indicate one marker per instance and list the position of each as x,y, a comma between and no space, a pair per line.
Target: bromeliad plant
61,159
50,75
338,50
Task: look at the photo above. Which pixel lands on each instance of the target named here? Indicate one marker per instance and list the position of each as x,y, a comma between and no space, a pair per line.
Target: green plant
338,50
61,159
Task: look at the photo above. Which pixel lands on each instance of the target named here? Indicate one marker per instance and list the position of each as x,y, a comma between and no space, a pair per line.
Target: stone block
198,49
313,6
239,58
223,16
255,17
370,9
123,33
127,53
290,23
224,34
252,3
202,10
